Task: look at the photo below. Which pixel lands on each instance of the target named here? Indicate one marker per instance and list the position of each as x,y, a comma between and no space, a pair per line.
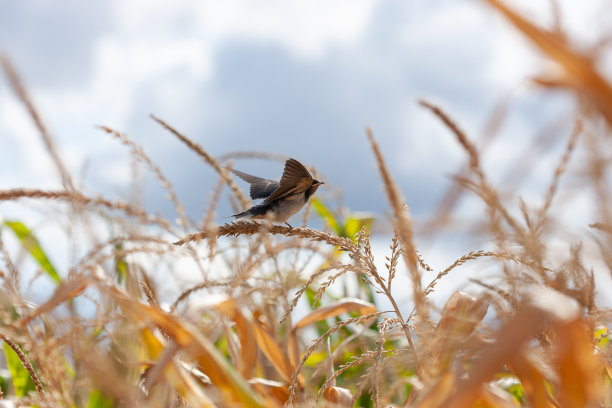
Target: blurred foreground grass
231,339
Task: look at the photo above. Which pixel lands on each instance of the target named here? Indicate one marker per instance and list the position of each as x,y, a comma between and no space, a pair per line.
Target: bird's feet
289,225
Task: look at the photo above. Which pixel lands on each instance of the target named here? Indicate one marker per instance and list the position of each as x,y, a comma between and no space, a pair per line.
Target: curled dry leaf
533,382
335,309
461,315
580,72
544,306
188,387
329,361
272,351
580,368
494,397
66,291
248,344
231,385
274,389
339,396
173,371
437,394
293,348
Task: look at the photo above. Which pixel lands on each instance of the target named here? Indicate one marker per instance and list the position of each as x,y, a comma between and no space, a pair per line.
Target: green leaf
121,267
99,400
602,337
364,400
69,370
31,244
517,392
367,289
347,228
316,358
4,384
326,215
514,387
352,226
222,347
355,222
22,382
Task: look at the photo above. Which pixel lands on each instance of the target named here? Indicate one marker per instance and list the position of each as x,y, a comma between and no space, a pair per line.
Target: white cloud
157,55
304,28
30,158
140,60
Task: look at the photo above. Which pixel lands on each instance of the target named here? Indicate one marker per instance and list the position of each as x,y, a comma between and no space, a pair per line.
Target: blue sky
301,79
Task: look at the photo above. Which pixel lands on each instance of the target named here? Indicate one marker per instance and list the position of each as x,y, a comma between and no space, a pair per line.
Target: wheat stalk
209,159
20,90
138,152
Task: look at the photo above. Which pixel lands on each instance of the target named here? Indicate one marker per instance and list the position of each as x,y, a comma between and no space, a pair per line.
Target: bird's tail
252,212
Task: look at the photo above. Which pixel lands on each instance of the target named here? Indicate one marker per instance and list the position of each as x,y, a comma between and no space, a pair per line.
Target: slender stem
404,328
25,362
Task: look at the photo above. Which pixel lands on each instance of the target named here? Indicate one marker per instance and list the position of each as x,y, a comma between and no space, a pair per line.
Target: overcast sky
301,79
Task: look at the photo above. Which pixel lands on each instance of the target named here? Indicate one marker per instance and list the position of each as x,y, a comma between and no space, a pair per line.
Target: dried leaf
580,71
65,291
248,344
275,389
231,385
339,396
461,315
533,382
175,373
269,347
343,306
579,367
439,393
544,305
494,397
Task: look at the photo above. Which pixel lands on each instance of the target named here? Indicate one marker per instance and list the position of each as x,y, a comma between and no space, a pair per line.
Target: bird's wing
260,187
296,179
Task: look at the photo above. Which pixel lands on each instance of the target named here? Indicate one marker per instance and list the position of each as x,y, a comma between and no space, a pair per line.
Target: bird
283,198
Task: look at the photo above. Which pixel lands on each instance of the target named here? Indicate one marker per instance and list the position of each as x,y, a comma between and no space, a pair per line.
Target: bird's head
315,184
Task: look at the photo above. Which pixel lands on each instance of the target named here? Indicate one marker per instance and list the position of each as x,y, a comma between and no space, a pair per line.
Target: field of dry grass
547,345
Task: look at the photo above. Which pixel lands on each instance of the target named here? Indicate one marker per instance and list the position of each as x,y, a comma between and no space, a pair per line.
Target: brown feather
296,179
